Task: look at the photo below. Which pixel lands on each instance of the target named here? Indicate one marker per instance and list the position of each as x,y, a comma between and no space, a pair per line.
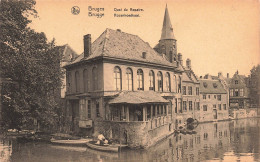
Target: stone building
190,93
68,55
125,89
213,100
238,92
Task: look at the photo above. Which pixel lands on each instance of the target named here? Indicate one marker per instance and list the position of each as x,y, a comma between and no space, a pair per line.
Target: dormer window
236,81
144,55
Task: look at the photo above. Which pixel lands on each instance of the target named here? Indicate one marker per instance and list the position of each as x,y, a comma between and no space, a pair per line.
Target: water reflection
223,141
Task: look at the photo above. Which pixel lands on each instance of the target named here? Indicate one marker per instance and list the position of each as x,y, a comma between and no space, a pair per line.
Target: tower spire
167,30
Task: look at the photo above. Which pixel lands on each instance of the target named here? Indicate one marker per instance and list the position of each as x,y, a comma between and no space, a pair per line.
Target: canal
236,140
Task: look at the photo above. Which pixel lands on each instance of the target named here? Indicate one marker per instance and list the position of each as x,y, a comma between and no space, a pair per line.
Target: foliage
254,86
31,63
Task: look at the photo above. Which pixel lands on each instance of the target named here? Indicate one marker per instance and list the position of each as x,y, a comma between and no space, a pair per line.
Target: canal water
228,141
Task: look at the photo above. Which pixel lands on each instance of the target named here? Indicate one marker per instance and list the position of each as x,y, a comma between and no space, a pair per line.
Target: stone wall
134,134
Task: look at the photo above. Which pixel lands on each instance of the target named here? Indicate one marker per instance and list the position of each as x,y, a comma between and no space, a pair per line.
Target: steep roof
67,52
211,86
167,30
190,75
138,97
117,44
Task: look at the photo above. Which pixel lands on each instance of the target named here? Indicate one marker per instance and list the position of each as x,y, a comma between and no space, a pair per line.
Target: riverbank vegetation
30,68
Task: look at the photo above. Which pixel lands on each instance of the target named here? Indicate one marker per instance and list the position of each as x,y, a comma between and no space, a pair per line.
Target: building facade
126,90
213,100
238,92
190,94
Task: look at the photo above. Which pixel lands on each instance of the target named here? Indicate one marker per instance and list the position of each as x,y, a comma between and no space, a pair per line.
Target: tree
28,59
254,86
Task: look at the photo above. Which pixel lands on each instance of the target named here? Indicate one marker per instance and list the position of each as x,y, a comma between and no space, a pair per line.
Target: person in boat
101,140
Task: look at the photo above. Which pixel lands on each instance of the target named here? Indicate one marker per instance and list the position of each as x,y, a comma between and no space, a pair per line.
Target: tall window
77,81
190,90
170,59
231,92
241,92
179,84
236,92
184,90
117,78
140,79
89,109
205,107
175,83
236,81
129,79
204,97
219,97
190,105
184,106
219,106
85,80
168,82
198,105
197,91
224,106
160,81
151,80
94,78
97,109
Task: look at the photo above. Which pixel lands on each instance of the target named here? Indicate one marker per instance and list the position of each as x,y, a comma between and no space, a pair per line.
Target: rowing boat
77,142
110,147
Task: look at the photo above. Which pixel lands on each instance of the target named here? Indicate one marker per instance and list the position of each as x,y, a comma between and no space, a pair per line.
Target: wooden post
155,111
144,113
127,113
122,112
151,111
167,107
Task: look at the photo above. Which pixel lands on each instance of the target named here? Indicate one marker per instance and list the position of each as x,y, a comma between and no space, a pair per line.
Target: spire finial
167,30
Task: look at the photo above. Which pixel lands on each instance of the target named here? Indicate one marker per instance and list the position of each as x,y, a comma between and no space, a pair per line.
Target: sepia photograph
129,80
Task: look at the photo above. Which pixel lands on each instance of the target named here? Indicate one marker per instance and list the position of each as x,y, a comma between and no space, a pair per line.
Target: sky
217,35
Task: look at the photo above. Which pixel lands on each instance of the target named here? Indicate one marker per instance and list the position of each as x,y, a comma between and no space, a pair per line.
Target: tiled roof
117,44
211,86
138,97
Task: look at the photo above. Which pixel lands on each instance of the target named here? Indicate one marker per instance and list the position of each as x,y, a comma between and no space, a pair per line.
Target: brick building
238,92
125,89
190,93
213,100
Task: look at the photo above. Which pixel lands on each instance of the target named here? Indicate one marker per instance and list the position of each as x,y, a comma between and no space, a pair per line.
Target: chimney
180,58
87,45
188,63
227,75
144,55
219,74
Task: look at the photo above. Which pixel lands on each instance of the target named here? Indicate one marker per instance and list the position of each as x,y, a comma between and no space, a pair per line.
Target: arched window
117,79
140,79
94,78
168,82
77,81
175,83
151,80
85,80
179,85
171,56
129,79
160,81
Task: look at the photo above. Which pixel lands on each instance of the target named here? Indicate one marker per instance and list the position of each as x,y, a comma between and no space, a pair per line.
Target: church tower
167,44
